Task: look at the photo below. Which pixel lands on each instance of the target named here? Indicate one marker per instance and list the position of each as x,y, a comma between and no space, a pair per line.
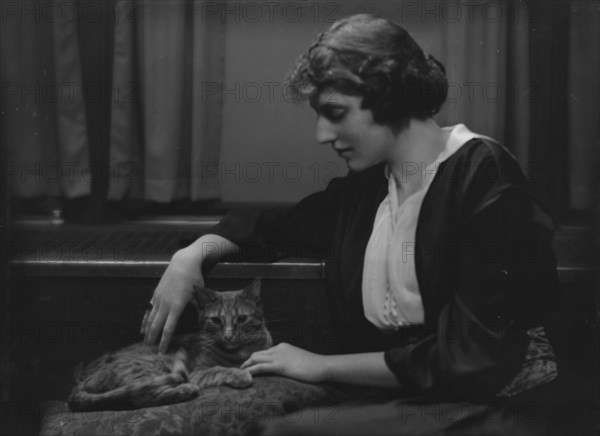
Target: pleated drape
166,138
525,73
584,104
151,135
486,62
47,152
126,147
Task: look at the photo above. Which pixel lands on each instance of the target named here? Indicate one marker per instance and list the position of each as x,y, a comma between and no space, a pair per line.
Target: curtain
487,55
526,73
584,103
43,120
179,51
103,100
548,62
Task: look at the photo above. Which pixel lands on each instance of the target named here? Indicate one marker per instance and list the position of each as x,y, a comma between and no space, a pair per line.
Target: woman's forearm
367,369
211,248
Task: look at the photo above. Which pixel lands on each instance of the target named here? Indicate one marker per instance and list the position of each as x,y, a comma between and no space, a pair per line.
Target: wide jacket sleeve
301,230
503,282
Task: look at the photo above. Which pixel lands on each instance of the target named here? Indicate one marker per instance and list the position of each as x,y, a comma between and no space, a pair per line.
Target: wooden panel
301,269
143,250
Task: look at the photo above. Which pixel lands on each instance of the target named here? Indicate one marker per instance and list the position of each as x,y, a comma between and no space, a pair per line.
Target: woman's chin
358,166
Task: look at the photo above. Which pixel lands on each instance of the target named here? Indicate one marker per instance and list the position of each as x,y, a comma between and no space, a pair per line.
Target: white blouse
390,290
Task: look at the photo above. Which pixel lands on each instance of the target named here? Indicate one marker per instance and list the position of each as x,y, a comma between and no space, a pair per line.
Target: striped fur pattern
232,327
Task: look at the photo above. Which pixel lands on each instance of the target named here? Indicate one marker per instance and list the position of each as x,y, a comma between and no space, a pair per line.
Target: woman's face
351,131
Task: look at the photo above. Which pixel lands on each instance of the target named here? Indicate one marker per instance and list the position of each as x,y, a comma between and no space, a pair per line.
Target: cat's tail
164,389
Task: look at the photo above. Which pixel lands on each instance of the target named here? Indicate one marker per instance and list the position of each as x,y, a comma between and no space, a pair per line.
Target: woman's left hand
285,359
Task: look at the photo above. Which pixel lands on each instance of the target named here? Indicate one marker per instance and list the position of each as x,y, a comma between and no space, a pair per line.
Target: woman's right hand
171,296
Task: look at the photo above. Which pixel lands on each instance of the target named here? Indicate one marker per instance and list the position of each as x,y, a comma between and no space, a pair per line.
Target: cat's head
232,319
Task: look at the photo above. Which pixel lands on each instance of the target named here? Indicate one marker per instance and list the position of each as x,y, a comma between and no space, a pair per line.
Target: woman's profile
439,262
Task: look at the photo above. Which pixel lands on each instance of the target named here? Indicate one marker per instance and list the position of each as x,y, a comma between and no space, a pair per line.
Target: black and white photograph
299,217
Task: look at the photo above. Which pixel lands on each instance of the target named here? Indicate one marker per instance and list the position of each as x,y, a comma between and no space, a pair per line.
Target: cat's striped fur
232,327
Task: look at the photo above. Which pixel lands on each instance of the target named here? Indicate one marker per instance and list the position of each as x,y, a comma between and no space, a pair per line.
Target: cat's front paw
238,378
220,376
187,391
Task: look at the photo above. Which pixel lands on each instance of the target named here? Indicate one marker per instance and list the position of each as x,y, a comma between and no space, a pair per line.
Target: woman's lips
342,151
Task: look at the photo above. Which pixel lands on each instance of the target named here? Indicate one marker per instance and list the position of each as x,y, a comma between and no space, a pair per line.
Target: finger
168,331
156,327
144,322
156,310
149,322
147,313
256,358
262,368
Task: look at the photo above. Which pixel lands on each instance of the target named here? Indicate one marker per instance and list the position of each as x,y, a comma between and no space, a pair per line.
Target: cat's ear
252,291
204,296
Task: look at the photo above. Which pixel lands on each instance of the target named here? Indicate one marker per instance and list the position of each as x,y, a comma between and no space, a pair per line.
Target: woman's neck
417,146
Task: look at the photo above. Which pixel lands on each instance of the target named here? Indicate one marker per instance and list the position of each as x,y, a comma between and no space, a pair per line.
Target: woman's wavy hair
376,59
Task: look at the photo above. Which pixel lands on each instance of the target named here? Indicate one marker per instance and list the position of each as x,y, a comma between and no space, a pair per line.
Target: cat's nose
228,335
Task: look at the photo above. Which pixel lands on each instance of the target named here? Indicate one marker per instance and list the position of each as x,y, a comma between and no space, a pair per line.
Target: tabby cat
232,327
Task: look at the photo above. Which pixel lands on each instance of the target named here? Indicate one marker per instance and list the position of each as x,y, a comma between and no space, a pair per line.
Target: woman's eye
242,318
215,320
334,114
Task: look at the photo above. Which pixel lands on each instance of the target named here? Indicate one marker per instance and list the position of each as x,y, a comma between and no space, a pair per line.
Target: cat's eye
215,320
242,318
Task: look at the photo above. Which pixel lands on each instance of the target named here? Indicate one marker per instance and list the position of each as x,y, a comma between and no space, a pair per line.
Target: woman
439,265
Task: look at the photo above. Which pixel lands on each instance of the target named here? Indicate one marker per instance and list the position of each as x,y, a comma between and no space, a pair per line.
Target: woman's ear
252,291
203,296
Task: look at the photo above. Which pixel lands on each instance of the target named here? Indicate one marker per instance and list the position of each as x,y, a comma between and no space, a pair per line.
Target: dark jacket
483,259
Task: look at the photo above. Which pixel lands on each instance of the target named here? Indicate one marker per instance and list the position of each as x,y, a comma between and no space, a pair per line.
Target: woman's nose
325,132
